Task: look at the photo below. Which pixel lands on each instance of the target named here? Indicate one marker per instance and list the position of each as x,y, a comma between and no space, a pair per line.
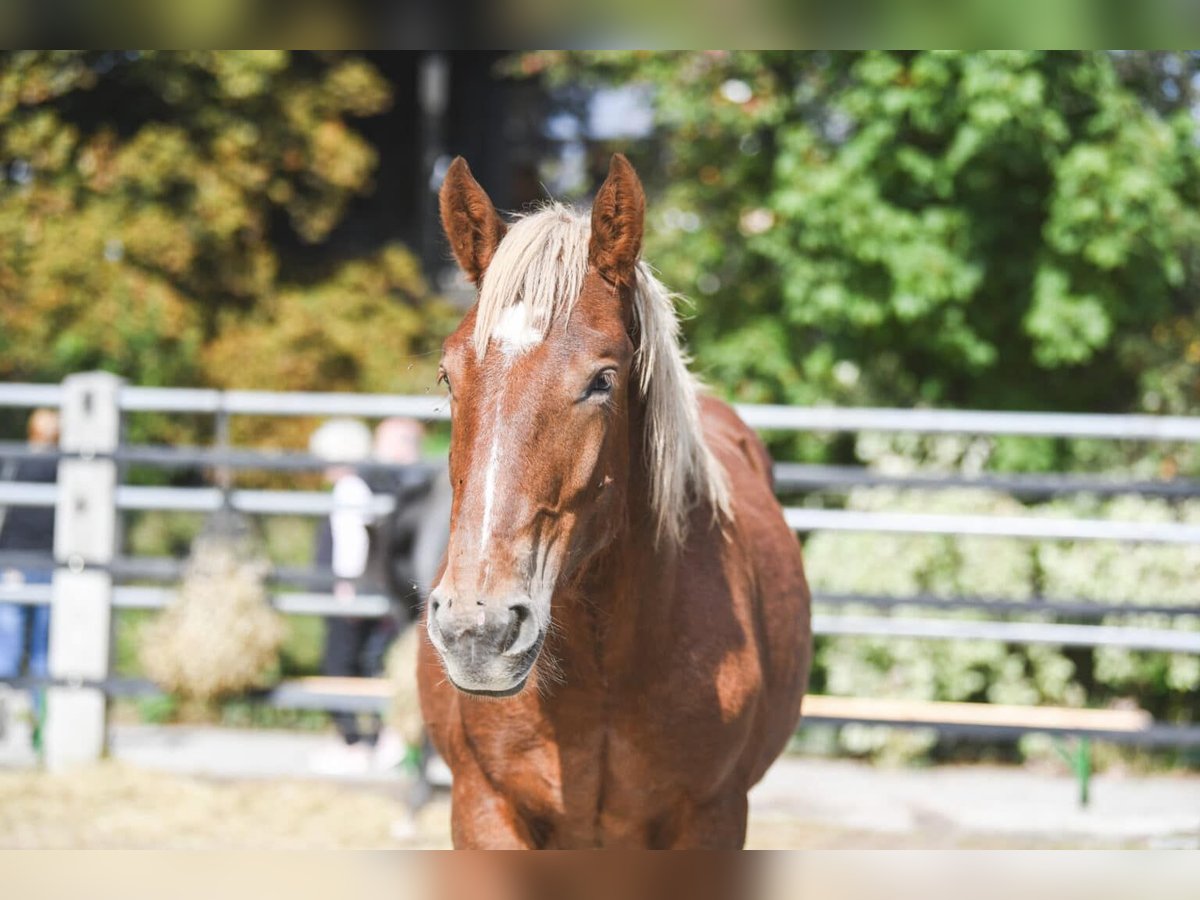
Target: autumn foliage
171,216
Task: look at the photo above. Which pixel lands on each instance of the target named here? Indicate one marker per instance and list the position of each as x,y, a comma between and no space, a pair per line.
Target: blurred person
420,526
407,550
397,443
343,545
397,550
25,629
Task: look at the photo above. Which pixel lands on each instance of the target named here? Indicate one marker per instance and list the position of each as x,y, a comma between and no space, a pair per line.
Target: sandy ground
213,788
116,807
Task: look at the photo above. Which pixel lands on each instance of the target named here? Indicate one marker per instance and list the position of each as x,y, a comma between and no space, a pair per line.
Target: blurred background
1013,231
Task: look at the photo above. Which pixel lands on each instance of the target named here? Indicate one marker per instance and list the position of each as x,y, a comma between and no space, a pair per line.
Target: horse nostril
437,601
516,636
511,632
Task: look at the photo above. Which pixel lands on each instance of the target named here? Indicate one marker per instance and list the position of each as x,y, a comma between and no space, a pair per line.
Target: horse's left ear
618,215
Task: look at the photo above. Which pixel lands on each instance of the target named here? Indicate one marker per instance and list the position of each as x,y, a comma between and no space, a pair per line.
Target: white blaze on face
514,333
489,481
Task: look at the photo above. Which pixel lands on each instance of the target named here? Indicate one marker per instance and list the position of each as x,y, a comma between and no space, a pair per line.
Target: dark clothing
29,527
346,642
349,641
323,545
390,561
25,629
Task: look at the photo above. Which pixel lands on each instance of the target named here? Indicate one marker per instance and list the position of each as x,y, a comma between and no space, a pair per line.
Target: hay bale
220,636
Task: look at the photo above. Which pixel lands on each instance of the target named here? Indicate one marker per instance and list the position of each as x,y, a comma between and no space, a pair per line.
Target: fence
91,577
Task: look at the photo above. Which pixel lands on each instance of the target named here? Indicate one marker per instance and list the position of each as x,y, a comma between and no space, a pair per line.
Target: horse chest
609,768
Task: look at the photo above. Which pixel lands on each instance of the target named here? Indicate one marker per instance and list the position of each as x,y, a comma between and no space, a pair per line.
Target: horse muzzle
487,647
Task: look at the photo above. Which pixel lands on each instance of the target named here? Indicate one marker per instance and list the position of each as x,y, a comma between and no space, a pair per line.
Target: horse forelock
540,265
534,279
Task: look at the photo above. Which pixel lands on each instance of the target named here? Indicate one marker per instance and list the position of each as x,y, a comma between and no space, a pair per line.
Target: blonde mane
541,263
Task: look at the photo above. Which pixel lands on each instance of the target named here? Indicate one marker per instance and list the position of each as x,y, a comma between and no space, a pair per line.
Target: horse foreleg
481,819
717,824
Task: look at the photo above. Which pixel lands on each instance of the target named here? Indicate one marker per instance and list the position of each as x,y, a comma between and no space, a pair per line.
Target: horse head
539,375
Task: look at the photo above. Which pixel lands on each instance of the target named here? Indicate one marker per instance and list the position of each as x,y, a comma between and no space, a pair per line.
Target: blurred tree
989,230
354,331
157,213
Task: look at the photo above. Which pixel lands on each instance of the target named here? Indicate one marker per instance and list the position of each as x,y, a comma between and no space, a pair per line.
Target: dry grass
114,806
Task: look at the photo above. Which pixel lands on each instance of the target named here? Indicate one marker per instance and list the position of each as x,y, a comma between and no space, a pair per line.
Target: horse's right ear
470,220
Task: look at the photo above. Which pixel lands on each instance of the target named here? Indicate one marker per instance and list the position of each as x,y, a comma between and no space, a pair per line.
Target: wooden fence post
85,534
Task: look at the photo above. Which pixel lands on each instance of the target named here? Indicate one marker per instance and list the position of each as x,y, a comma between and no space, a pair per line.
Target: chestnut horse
619,571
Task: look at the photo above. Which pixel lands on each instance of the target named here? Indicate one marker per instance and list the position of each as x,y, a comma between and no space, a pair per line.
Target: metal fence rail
320,503
279,403
30,395
808,477
183,457
1041,607
991,526
363,606
946,421
765,416
1063,635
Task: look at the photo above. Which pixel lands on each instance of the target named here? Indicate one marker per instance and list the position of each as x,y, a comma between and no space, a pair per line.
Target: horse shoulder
764,554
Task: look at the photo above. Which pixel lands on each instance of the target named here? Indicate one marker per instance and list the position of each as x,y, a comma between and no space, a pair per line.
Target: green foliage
162,533
301,650
989,230
158,210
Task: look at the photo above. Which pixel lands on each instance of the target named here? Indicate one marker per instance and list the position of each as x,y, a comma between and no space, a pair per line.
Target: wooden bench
979,716
989,718
336,694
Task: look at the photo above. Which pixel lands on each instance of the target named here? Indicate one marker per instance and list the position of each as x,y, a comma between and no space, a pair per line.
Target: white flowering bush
1003,569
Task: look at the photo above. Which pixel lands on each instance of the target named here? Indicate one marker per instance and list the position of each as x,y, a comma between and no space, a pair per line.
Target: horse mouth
524,665
500,694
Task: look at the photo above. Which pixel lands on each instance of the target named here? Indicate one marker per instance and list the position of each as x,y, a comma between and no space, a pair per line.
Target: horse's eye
443,378
602,385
